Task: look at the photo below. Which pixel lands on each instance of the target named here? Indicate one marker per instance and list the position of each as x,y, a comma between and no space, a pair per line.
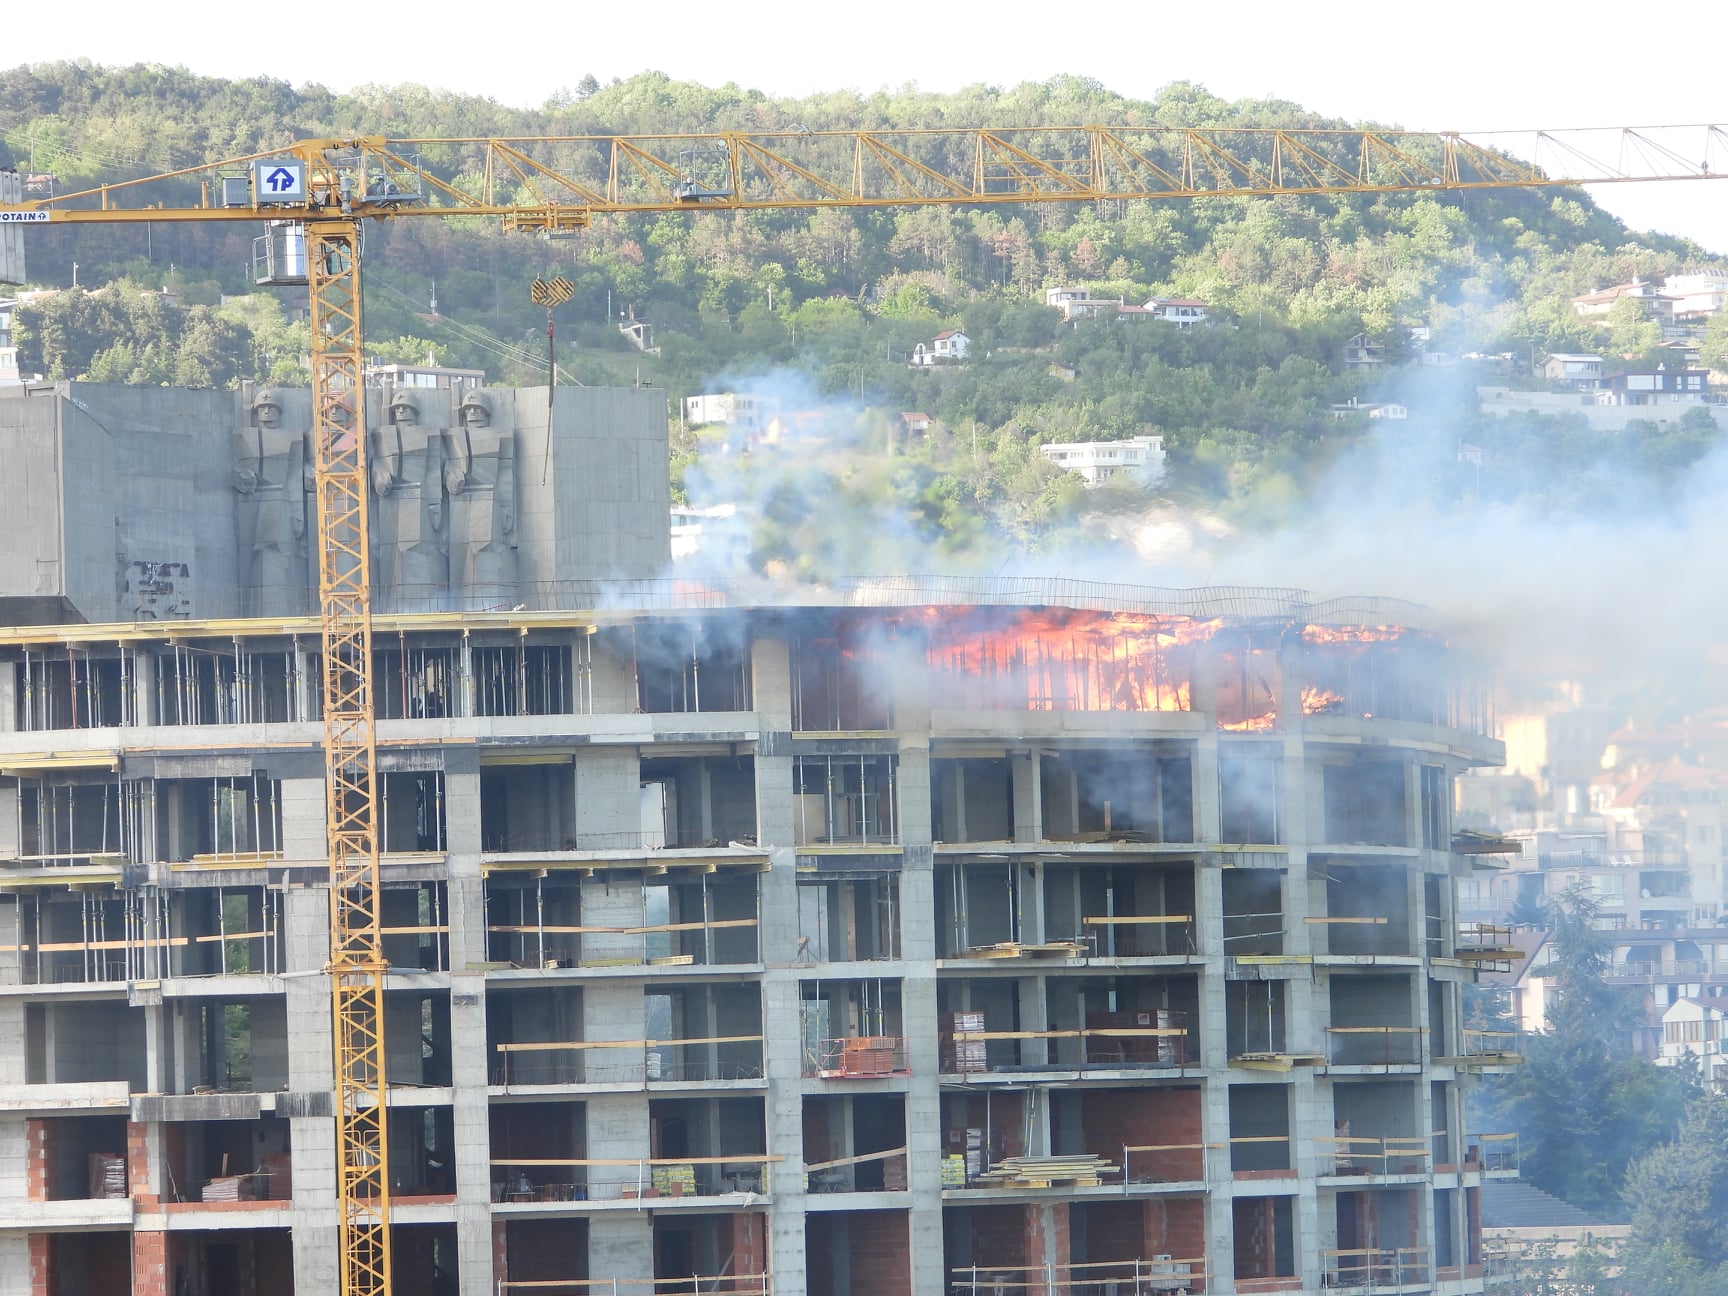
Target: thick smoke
1618,580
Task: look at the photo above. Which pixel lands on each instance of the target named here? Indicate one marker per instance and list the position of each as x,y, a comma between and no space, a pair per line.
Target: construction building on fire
1036,938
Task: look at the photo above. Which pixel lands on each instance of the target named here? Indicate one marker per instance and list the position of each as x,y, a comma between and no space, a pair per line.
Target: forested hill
841,295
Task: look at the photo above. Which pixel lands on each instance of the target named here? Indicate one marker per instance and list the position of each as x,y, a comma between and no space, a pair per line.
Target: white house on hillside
1372,409
1575,370
751,413
1079,303
1183,312
1138,461
944,347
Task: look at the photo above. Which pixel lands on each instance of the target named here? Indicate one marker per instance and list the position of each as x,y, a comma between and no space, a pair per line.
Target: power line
479,337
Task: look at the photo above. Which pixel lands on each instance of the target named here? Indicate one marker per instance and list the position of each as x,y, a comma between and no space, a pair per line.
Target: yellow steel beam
357,964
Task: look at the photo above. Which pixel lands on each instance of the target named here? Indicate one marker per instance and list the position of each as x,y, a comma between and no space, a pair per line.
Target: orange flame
1059,659
1321,701
1064,659
1315,634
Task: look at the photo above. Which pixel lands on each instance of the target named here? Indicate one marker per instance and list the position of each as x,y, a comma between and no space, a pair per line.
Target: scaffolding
72,688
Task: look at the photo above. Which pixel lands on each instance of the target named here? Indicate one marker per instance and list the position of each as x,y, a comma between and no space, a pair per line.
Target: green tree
1678,1197
1584,1106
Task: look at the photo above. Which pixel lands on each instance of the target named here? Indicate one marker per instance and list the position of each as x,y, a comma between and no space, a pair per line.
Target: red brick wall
1112,1230
998,1234
41,1272
880,1253
749,1243
1473,1226
36,1136
1147,1118
529,1250
138,1164
149,1263
1176,1226
1047,1243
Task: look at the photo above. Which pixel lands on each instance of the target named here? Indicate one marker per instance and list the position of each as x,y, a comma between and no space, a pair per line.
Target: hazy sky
1467,65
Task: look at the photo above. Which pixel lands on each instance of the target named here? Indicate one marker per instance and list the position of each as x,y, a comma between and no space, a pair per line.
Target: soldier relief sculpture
273,479
443,486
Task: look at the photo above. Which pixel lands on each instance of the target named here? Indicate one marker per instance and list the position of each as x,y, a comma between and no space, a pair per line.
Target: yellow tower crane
317,194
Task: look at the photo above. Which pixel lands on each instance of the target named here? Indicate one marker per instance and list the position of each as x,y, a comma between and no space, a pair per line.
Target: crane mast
555,185
357,963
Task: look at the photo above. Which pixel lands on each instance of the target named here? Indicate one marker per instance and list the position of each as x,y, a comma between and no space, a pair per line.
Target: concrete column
307,685
620,1243
14,1068
8,700
472,1134
783,1063
464,699
303,816
10,834
923,1096
608,798
1206,820
771,682
1024,768
315,1248
144,710
613,670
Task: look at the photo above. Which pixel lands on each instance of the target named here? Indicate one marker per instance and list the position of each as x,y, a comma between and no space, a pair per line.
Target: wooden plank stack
1020,949
1079,1171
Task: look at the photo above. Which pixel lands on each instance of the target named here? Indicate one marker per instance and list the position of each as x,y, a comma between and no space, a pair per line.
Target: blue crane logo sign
278,182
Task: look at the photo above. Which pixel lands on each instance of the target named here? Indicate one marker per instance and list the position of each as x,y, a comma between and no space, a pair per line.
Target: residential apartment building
941,937
1136,461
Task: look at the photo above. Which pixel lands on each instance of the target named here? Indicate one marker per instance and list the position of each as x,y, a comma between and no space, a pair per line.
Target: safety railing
713,1057
1373,1045
1139,935
574,945
1140,1277
1374,1268
567,1179
1496,1154
1491,1048
757,1284
1341,1154
1157,1163
866,1172
1099,1048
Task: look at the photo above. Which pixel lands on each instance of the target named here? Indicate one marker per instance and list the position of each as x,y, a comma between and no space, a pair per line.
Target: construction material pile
1081,1171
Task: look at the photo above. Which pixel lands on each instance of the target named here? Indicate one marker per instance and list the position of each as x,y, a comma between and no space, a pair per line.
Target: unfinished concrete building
893,947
